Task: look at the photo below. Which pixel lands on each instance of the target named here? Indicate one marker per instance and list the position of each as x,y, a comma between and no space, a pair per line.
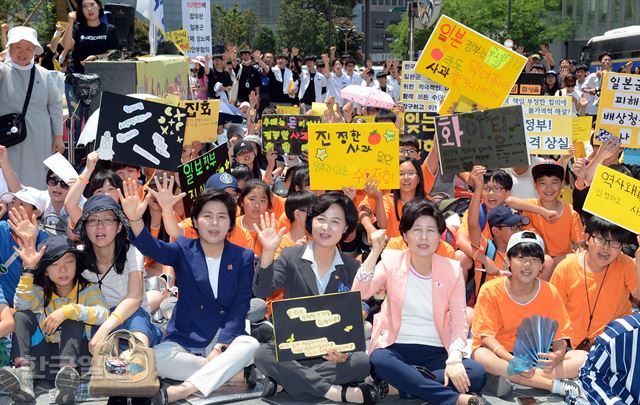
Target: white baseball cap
18,34
28,195
523,237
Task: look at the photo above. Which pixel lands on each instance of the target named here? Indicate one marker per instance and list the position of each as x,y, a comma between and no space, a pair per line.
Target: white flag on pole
152,10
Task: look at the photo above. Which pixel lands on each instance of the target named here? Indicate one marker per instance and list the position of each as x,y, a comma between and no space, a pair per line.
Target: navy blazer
198,314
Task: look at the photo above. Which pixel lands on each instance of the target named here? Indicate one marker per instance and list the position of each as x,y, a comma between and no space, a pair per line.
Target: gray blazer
291,272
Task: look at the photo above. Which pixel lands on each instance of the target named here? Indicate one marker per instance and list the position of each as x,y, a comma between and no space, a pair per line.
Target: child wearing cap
595,285
56,309
28,204
502,305
566,229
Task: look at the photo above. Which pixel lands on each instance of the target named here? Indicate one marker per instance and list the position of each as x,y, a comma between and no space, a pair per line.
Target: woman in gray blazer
312,269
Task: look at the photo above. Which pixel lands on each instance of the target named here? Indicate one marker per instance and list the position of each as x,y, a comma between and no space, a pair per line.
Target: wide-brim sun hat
18,34
100,203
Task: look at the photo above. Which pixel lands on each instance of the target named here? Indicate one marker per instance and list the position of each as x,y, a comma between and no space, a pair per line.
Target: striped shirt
88,305
611,374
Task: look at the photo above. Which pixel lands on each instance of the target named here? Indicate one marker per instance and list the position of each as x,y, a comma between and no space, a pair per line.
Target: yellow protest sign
319,108
615,197
349,155
619,110
476,69
288,110
581,151
581,128
180,38
202,120
547,123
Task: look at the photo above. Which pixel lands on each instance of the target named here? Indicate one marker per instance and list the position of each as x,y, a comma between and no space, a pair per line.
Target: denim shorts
140,321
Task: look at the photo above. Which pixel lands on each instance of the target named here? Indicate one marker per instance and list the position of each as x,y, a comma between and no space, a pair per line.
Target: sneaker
498,386
570,387
18,383
67,382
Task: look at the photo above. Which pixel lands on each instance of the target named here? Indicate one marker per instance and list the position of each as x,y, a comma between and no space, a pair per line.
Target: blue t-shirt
9,279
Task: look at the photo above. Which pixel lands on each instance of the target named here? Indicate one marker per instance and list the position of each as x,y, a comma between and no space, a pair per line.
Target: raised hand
164,196
268,233
378,240
131,204
23,227
477,176
371,188
28,253
71,17
92,161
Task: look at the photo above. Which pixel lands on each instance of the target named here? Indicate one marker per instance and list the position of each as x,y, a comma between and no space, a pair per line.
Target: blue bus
622,43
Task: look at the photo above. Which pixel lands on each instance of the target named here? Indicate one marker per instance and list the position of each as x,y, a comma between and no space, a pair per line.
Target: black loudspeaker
123,17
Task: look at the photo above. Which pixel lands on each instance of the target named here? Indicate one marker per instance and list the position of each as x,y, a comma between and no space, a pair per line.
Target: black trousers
47,358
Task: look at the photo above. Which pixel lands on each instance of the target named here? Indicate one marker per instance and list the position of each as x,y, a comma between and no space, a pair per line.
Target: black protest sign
492,138
422,125
140,132
307,327
529,84
194,174
286,133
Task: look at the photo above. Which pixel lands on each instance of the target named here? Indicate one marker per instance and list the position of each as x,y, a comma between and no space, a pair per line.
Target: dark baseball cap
56,247
241,146
548,167
503,215
220,181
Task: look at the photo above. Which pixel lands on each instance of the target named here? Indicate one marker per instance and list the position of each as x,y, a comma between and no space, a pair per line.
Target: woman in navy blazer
206,341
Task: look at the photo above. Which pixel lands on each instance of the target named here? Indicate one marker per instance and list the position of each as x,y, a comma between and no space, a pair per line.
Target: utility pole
330,17
366,24
509,17
411,28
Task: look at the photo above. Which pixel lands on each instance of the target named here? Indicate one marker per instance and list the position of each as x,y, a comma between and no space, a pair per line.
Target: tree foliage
303,26
532,23
233,26
265,39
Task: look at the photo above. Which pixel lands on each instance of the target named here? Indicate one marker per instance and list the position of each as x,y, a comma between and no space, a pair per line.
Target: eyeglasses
409,175
106,222
408,152
495,189
52,181
613,244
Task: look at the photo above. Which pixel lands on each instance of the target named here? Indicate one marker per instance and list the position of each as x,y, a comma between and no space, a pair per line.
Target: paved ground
233,392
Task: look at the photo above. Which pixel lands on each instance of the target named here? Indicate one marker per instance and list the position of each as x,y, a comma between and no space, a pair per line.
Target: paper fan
534,335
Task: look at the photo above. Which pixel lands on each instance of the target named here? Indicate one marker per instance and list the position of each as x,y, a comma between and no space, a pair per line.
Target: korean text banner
417,93
476,69
547,121
422,125
140,132
615,197
180,38
528,84
619,109
493,138
194,174
202,120
286,133
349,155
196,19
307,327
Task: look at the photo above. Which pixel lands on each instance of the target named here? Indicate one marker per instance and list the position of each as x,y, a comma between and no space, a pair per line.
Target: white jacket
319,81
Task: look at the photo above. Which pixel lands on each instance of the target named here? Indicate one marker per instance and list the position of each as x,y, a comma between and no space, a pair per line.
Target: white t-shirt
114,286
575,98
418,325
523,184
213,266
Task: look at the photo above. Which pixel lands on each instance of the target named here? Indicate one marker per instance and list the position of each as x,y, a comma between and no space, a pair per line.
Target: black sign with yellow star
140,132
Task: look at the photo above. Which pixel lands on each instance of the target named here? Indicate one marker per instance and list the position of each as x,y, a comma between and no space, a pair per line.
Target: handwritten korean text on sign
548,122
286,133
615,197
476,69
349,155
202,120
619,110
417,93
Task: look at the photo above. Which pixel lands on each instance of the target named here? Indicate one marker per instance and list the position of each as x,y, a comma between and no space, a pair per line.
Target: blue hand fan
534,335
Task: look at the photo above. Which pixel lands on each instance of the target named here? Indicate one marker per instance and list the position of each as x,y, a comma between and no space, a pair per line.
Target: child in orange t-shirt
595,285
566,229
502,305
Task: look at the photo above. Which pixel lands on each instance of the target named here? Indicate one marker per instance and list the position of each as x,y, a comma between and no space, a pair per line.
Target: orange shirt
428,178
444,249
464,226
238,236
613,302
496,314
393,223
256,246
557,236
277,206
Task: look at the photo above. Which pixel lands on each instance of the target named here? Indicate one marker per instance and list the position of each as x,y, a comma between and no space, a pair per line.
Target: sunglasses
52,181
